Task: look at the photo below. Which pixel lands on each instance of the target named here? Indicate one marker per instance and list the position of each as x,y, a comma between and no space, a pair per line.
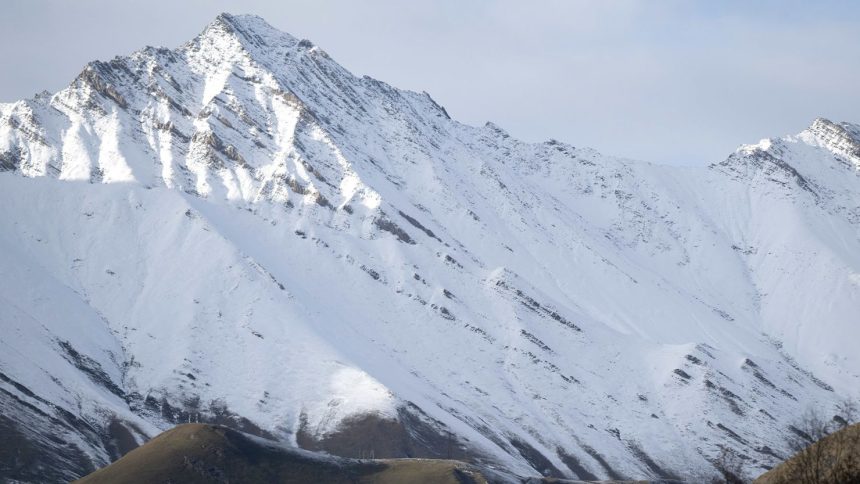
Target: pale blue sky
676,81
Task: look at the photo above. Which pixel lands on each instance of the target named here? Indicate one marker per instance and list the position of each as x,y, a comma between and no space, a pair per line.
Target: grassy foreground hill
835,459
200,453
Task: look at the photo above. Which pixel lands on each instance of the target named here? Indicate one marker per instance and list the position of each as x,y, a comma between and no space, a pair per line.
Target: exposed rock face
840,138
240,231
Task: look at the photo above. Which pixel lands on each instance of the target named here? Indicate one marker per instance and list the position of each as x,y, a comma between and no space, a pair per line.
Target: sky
667,81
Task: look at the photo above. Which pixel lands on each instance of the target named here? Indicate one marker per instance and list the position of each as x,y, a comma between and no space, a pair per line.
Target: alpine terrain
241,232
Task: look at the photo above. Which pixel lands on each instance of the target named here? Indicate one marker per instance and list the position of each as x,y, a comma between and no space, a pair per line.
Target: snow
237,233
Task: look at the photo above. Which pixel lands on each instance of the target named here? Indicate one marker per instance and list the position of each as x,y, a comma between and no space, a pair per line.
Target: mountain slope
240,231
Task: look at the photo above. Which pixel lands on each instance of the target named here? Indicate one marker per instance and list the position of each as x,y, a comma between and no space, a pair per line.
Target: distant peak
843,139
243,21
821,125
491,126
847,129
248,28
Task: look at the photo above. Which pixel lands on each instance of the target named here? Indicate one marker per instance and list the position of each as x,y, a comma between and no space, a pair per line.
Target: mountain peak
243,22
250,30
843,139
848,130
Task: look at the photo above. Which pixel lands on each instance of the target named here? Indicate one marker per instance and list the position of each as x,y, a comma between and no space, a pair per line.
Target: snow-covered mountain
241,231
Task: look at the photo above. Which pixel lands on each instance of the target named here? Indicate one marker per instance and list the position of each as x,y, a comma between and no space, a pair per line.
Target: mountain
241,232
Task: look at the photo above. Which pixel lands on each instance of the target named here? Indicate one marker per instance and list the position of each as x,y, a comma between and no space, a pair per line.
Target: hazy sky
661,80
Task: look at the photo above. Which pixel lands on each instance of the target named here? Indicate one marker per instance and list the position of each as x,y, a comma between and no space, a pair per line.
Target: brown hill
199,453
835,459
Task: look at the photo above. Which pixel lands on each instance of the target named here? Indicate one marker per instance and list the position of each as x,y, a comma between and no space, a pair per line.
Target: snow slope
241,229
